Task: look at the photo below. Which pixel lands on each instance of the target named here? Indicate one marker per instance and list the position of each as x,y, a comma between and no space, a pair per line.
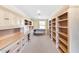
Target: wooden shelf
63,23
53,31
53,22
54,41
54,19
63,41
63,47
63,30
63,34
9,39
54,37
53,26
9,27
63,16
63,27
49,23
49,26
62,20
60,50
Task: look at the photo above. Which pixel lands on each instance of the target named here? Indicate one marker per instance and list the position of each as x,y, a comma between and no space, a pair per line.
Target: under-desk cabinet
15,47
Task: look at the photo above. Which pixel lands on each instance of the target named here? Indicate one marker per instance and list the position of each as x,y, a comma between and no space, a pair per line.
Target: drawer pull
23,45
23,39
8,51
18,50
18,43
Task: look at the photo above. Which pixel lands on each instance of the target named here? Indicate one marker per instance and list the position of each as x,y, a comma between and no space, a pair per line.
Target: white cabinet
17,50
15,47
11,47
2,21
18,20
9,18
21,21
13,19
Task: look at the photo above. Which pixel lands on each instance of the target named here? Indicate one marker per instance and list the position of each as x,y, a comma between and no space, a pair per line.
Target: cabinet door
2,13
18,21
21,21
11,16
16,45
13,19
6,18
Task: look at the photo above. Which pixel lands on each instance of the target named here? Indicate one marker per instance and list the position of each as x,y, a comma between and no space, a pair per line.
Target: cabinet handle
18,43
23,39
23,45
7,51
18,50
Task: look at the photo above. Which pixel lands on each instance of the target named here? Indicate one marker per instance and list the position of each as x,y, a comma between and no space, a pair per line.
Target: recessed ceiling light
38,12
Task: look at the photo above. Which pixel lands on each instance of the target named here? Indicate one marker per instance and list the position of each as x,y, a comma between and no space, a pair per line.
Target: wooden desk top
4,42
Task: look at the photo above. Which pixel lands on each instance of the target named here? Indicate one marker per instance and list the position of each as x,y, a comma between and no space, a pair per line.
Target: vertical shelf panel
50,28
54,30
63,32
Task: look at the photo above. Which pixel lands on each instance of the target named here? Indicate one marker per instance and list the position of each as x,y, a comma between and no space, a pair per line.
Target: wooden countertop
7,40
9,27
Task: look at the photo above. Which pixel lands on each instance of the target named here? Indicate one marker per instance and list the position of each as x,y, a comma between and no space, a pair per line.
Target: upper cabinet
9,19
2,13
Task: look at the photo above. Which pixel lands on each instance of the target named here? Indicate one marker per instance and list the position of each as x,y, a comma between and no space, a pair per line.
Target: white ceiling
45,10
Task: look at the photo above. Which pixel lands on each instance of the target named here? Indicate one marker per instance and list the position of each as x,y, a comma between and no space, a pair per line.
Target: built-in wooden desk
7,40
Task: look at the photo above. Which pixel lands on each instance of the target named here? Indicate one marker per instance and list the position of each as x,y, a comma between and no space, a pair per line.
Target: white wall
74,29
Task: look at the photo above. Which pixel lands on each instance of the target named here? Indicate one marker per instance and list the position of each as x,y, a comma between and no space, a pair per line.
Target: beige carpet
39,44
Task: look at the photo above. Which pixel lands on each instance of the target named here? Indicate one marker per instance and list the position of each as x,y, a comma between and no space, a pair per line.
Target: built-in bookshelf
58,28
29,24
63,32
54,30
66,29
50,28
26,22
